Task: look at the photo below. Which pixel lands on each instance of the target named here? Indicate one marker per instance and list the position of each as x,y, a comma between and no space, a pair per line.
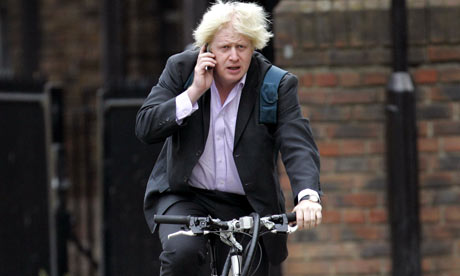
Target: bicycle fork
236,260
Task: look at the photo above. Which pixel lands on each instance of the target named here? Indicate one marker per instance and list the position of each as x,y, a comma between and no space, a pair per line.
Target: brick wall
340,50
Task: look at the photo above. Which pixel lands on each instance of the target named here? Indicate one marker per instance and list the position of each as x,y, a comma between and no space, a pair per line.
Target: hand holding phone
203,78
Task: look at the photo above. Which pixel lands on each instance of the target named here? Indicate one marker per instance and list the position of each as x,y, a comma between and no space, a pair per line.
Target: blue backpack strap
269,95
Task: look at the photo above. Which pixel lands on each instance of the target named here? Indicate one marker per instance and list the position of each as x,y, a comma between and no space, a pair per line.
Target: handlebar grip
170,219
291,217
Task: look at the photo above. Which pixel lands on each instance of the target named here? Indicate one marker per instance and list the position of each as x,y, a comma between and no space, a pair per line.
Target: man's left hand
308,214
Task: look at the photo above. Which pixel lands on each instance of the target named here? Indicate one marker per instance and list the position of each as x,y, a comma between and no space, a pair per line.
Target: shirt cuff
309,192
184,107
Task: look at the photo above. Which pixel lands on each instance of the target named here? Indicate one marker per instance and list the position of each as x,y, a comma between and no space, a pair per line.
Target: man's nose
233,54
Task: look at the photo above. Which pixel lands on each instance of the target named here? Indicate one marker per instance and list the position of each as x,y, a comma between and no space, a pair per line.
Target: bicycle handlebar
167,219
291,217
186,220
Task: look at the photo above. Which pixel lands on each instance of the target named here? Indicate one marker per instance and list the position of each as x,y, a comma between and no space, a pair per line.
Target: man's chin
232,78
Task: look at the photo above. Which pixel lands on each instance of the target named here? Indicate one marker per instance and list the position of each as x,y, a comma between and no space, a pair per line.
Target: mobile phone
208,50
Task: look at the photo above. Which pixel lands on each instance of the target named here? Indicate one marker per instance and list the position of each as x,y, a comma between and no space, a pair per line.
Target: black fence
26,243
128,246
33,238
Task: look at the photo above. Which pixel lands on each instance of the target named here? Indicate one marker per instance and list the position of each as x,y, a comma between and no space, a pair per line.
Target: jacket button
185,179
198,153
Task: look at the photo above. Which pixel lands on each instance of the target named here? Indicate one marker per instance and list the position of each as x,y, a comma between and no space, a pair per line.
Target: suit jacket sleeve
299,152
156,119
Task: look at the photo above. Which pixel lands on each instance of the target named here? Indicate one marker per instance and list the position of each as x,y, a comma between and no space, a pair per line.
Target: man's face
233,55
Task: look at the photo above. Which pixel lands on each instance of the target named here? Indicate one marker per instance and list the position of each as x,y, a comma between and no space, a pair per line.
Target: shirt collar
243,80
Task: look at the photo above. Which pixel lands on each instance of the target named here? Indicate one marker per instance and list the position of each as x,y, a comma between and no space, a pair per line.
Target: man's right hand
202,78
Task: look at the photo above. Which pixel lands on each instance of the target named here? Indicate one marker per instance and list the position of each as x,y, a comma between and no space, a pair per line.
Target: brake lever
185,233
292,229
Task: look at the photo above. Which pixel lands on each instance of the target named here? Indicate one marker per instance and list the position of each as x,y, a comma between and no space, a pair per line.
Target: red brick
428,161
422,129
444,53
354,131
378,216
448,92
312,96
436,94
457,246
354,97
434,111
297,251
330,216
353,216
284,180
450,75
375,78
376,163
329,113
427,265
446,128
452,214
437,179
326,79
451,144
427,144
361,267
424,76
445,263
429,215
437,232
328,148
327,251
328,164
370,232
361,199
306,80
328,233
315,267
356,147
339,182
376,147
369,112
330,200
350,79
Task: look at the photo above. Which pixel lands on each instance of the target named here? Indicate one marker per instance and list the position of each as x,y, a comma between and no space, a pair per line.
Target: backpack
268,102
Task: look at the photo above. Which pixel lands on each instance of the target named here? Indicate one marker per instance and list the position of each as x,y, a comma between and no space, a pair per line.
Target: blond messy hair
248,19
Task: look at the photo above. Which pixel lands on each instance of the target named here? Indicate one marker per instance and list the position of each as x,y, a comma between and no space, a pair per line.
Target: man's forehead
229,35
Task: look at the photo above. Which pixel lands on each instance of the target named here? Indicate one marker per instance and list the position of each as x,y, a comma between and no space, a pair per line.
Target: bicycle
253,225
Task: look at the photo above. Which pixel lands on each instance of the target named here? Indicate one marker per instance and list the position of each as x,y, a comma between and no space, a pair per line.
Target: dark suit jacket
256,145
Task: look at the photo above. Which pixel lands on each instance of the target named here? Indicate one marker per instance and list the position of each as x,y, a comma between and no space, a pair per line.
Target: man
217,158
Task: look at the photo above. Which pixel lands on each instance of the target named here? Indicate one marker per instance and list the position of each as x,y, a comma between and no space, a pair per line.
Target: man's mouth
233,68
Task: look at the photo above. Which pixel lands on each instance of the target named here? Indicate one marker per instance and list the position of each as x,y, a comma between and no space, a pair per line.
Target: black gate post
401,141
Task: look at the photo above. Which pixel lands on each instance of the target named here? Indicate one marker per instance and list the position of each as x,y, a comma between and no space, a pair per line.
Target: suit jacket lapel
247,101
